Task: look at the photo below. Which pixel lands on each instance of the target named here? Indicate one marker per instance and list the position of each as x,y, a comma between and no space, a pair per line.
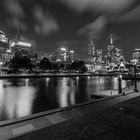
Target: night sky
50,24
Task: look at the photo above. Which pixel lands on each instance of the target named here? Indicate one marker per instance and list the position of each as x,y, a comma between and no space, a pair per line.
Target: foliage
78,66
45,64
21,62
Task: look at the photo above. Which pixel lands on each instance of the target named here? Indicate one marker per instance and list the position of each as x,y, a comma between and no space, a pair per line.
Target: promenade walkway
111,119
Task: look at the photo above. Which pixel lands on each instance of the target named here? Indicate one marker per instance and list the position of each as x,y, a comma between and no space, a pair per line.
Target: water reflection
15,100
22,97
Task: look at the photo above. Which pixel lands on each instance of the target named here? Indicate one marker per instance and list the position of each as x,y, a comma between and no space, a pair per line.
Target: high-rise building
5,53
113,53
91,49
21,46
64,54
99,56
71,55
3,42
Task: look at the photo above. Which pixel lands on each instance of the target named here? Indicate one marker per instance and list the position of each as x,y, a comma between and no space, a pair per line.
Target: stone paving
115,118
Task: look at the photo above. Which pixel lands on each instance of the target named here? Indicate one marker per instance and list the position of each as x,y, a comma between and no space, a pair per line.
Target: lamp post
120,84
135,78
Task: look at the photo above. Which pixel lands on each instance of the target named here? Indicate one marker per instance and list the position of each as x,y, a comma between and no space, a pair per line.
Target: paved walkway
117,119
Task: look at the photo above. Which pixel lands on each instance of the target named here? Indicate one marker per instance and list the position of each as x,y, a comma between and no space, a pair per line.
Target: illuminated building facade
64,54
5,53
99,56
113,53
91,49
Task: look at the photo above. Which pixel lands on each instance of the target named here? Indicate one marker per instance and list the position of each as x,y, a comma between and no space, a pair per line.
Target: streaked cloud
109,10
16,23
93,29
131,15
45,24
99,5
15,10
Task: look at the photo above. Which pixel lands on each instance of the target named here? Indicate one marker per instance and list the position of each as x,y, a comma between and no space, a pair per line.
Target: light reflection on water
22,97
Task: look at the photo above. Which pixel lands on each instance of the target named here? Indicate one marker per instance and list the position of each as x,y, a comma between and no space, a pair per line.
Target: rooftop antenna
111,39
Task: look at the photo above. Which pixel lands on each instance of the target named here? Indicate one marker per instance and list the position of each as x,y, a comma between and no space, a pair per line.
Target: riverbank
111,118
51,75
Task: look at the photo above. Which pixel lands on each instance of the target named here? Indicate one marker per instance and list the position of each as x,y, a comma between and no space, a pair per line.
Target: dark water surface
22,97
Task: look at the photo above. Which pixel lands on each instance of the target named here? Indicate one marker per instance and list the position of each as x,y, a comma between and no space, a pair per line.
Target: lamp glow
24,44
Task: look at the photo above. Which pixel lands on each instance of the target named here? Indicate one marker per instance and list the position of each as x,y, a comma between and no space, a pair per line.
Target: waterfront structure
136,55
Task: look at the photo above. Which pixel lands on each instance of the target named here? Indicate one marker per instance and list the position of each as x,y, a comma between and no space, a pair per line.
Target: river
23,97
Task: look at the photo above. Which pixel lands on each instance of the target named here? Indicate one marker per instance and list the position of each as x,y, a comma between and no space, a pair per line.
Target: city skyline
54,23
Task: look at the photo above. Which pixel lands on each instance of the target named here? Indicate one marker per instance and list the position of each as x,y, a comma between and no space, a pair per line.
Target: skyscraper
91,49
99,56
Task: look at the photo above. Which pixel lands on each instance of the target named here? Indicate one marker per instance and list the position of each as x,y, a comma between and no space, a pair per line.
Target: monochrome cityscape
18,55
69,69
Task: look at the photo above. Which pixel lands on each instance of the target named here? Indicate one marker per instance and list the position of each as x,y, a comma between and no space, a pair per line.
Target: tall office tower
3,42
61,54
111,51
99,56
91,49
71,55
4,48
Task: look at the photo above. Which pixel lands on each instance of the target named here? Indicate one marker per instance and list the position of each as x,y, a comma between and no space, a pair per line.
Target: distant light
3,39
137,49
13,44
71,51
9,51
24,44
1,63
63,49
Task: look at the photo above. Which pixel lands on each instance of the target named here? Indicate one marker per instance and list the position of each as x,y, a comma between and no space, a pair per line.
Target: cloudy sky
54,23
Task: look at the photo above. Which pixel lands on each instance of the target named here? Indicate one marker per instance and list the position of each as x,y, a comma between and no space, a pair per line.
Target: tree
21,62
78,66
45,64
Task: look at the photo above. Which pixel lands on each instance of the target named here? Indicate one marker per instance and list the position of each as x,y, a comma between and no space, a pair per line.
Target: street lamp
120,84
135,77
